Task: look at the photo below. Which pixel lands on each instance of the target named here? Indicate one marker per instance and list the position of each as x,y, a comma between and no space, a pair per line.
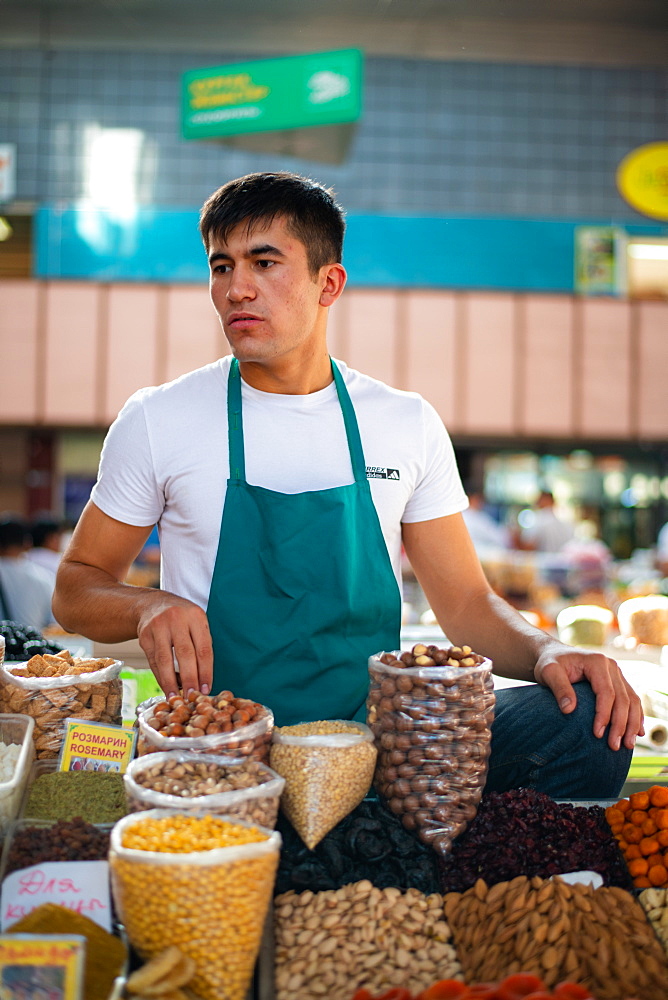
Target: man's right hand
170,627
92,599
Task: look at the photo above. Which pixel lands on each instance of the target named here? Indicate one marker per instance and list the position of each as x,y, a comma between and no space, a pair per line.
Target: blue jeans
534,745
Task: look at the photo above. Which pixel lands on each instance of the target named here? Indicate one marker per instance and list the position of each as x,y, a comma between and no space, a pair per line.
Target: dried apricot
658,875
649,845
638,867
658,795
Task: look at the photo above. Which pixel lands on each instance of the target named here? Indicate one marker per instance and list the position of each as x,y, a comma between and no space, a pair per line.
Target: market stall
227,858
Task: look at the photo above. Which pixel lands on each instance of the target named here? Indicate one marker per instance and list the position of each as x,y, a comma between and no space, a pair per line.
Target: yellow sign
34,966
642,179
94,746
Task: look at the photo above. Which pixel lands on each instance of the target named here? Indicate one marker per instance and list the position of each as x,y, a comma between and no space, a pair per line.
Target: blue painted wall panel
380,251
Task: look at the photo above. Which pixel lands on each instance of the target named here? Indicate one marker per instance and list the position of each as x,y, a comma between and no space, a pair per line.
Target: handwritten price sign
82,886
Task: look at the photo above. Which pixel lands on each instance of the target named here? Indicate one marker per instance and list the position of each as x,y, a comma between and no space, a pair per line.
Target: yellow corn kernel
180,834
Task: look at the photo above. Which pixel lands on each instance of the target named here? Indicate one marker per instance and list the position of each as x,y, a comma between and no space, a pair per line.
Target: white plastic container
15,729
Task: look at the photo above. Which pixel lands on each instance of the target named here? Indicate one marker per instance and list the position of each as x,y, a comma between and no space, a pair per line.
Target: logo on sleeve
375,472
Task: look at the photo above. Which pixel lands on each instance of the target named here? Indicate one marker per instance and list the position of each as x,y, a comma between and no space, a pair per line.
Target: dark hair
42,527
13,531
311,212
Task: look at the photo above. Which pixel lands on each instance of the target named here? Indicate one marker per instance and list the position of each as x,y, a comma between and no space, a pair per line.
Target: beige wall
494,364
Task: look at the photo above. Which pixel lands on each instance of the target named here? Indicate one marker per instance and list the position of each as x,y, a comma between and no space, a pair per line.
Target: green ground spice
96,797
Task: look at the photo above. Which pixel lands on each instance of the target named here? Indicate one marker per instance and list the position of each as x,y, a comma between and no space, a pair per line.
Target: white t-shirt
165,461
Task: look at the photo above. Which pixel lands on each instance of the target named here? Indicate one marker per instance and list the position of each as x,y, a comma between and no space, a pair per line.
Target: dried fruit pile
524,832
513,987
640,827
66,840
367,844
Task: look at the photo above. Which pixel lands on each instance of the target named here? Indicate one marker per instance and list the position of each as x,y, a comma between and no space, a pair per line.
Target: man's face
267,299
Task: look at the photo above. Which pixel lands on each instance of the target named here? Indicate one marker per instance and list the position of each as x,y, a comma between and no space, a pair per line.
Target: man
25,589
47,534
488,536
280,561
546,532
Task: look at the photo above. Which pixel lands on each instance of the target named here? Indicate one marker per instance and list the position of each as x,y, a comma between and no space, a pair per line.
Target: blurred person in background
545,531
25,588
661,556
47,536
487,535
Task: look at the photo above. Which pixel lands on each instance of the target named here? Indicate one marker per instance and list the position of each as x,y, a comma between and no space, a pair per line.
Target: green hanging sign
294,92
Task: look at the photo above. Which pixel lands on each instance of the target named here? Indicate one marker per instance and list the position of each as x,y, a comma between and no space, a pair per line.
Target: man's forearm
90,602
495,629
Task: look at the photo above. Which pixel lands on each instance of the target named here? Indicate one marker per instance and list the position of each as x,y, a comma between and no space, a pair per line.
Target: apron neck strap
235,431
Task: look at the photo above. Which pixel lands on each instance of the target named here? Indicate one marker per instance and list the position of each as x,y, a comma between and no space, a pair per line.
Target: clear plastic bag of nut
328,768
431,712
207,901
92,691
251,740
178,779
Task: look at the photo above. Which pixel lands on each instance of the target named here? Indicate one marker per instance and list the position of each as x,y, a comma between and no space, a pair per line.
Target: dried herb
96,797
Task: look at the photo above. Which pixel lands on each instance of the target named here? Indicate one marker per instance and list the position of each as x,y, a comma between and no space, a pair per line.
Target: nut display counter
387,867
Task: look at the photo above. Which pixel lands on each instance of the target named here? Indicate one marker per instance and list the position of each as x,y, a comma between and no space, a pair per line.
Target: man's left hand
617,704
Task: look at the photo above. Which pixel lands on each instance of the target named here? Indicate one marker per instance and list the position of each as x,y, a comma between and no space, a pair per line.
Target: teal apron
303,590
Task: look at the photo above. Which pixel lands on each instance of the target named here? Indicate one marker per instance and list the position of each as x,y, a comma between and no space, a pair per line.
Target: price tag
35,966
82,886
95,746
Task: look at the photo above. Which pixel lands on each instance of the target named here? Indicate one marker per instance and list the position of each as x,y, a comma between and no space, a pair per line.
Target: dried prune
367,844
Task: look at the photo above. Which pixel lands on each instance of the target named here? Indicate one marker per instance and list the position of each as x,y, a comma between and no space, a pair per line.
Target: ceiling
592,32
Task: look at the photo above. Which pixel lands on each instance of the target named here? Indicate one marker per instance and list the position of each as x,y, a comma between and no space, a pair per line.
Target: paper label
35,966
82,886
95,746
